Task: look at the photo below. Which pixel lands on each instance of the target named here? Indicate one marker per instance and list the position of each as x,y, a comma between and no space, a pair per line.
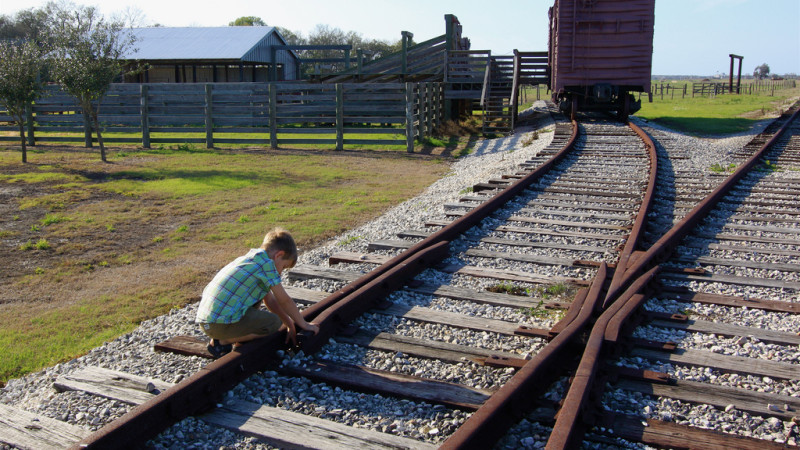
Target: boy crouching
229,312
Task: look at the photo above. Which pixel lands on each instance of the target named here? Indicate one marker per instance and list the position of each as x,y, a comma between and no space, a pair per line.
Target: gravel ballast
132,353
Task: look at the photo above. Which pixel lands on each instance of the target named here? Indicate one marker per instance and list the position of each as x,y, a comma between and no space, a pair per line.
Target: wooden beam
384,382
725,363
25,430
663,434
758,403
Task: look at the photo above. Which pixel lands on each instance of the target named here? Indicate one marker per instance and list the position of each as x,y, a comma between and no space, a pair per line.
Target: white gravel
685,158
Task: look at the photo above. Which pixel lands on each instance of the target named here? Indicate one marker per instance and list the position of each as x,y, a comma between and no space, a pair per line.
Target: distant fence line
259,113
661,90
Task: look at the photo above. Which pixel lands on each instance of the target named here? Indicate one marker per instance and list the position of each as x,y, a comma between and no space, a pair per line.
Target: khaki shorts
255,321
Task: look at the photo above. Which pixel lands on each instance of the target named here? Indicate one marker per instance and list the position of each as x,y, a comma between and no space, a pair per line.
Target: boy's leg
254,324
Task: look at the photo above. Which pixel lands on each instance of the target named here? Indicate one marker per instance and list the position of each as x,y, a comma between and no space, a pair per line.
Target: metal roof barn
210,54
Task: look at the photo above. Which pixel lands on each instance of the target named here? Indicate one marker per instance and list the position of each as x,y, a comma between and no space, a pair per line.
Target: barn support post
339,116
273,116
143,104
209,116
29,123
409,117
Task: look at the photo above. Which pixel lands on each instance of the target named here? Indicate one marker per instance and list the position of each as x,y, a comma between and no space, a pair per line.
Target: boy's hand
312,327
291,333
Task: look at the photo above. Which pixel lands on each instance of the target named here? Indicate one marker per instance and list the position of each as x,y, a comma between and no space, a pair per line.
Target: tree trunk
96,124
22,140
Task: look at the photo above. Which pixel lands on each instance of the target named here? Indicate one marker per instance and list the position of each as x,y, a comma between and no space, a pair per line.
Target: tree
291,37
86,57
27,24
761,71
248,21
20,81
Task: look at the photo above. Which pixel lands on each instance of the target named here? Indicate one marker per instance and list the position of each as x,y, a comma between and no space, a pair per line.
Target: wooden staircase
493,82
496,99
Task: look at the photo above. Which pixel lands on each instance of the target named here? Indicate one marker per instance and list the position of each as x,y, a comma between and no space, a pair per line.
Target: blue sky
692,37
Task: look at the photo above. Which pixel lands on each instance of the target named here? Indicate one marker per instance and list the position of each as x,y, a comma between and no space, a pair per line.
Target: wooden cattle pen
393,100
271,114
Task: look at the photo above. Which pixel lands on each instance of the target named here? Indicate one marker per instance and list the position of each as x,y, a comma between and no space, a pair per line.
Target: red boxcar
599,52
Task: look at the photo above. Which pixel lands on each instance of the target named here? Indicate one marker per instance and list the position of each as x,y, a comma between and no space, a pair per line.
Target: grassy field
714,115
91,249
702,116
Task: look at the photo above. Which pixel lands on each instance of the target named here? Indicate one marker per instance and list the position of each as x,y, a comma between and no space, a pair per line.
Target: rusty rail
633,241
492,420
624,298
203,390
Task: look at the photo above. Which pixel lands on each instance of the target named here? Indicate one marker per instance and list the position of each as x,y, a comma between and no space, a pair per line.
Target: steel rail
663,246
637,231
491,421
569,429
202,391
447,233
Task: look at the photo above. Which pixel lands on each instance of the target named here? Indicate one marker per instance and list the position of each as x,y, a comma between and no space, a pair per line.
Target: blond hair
279,239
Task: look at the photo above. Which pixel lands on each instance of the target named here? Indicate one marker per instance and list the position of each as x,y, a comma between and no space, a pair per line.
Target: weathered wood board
28,431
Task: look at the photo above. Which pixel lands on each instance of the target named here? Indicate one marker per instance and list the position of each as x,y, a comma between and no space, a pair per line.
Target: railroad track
699,346
423,336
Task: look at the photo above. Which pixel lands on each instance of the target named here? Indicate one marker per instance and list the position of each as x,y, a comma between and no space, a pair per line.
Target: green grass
58,334
258,139
719,115
159,208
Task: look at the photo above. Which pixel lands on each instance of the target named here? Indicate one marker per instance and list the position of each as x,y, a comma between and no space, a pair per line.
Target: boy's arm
272,304
288,307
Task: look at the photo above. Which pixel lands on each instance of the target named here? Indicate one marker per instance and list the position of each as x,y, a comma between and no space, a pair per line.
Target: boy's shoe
217,350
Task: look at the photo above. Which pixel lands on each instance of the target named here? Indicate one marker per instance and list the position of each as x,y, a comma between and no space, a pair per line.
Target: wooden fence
663,90
271,114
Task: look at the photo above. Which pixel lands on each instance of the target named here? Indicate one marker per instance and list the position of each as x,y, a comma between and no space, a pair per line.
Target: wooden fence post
420,110
29,123
273,116
144,106
409,118
407,36
430,106
339,116
438,104
209,116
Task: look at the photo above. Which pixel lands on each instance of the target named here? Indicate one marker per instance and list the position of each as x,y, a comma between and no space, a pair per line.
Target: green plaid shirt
238,286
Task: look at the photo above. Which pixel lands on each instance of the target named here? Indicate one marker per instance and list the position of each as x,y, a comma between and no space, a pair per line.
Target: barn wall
262,53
